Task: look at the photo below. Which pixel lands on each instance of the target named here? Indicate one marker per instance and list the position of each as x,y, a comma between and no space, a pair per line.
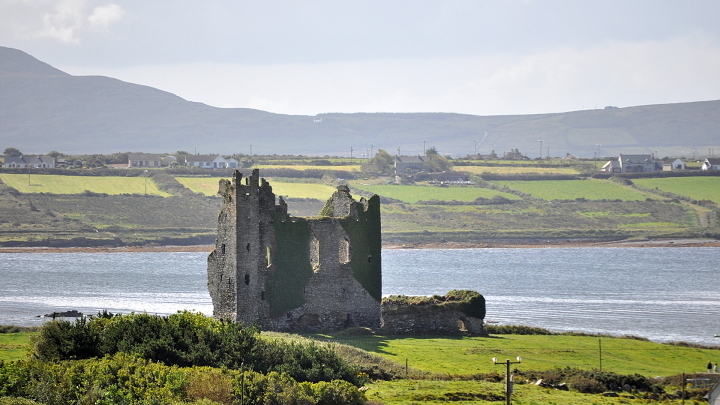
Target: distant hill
44,109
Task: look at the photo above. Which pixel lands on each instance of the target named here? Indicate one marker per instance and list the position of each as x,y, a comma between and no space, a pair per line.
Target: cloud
564,79
103,16
64,21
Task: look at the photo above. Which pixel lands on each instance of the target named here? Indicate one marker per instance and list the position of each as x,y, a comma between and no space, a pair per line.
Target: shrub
586,385
189,339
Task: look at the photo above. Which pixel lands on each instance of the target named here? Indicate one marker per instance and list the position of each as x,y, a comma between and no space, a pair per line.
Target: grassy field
453,360
571,189
472,355
349,168
413,194
209,186
13,346
516,170
435,392
698,188
54,184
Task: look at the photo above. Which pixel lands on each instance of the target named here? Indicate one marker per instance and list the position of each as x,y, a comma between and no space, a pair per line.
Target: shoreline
541,244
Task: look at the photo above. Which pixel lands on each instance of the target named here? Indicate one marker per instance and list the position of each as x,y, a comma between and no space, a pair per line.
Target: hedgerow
189,339
129,379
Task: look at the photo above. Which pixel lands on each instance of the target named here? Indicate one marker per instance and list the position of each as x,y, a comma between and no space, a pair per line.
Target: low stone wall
430,321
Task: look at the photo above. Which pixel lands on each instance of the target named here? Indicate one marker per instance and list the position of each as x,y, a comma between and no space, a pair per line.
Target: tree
382,163
436,163
12,152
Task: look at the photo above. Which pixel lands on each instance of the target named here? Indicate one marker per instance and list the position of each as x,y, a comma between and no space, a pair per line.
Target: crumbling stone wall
456,313
289,273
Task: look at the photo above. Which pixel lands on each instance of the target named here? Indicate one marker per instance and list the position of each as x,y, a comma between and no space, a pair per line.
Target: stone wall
456,313
289,273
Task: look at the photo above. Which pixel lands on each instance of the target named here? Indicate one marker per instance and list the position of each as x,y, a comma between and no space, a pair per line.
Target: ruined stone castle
320,274
288,273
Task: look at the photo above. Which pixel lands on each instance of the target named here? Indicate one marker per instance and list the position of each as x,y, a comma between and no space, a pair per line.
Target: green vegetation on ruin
286,284
365,259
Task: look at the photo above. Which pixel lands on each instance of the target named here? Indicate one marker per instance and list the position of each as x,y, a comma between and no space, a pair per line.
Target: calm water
665,294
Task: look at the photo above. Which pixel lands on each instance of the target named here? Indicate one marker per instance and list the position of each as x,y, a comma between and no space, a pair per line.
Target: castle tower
289,273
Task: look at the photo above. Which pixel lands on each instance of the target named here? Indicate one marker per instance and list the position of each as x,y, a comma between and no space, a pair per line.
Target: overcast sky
310,57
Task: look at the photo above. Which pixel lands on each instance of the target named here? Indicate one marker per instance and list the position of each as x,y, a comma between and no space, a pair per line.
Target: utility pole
371,149
540,140
600,350
508,378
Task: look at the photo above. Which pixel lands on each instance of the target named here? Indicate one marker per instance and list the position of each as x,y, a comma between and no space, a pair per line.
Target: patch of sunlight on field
54,184
413,194
572,189
698,188
515,170
349,168
209,186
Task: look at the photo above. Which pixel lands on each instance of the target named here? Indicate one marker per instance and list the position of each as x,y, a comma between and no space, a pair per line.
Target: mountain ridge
43,109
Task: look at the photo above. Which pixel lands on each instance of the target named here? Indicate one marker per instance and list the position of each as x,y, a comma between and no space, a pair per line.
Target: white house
671,164
708,164
211,161
30,161
144,160
637,164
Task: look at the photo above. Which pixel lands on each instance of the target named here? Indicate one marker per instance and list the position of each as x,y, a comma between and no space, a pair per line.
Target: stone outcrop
288,273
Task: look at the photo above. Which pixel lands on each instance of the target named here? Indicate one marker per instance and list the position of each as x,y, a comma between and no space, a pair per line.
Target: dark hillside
43,109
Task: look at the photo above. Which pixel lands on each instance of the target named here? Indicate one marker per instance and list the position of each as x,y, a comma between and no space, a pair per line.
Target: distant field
54,184
209,186
699,188
515,170
572,189
470,355
413,194
349,168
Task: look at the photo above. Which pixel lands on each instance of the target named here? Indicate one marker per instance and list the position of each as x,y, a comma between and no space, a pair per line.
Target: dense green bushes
129,379
189,339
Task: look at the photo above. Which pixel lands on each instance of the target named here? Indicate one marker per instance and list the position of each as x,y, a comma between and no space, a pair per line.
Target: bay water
664,294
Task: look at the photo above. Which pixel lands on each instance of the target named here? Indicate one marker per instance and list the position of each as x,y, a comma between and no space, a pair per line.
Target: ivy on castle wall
365,241
285,286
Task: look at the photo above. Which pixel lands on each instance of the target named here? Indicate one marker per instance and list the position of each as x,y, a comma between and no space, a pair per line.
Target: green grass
698,188
56,184
349,168
516,170
209,186
572,189
413,194
435,392
472,355
13,346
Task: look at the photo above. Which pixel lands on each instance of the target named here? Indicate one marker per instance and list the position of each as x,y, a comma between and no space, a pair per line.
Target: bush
189,339
586,385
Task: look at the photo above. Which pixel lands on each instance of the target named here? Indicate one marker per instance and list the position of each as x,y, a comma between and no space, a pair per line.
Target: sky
481,57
